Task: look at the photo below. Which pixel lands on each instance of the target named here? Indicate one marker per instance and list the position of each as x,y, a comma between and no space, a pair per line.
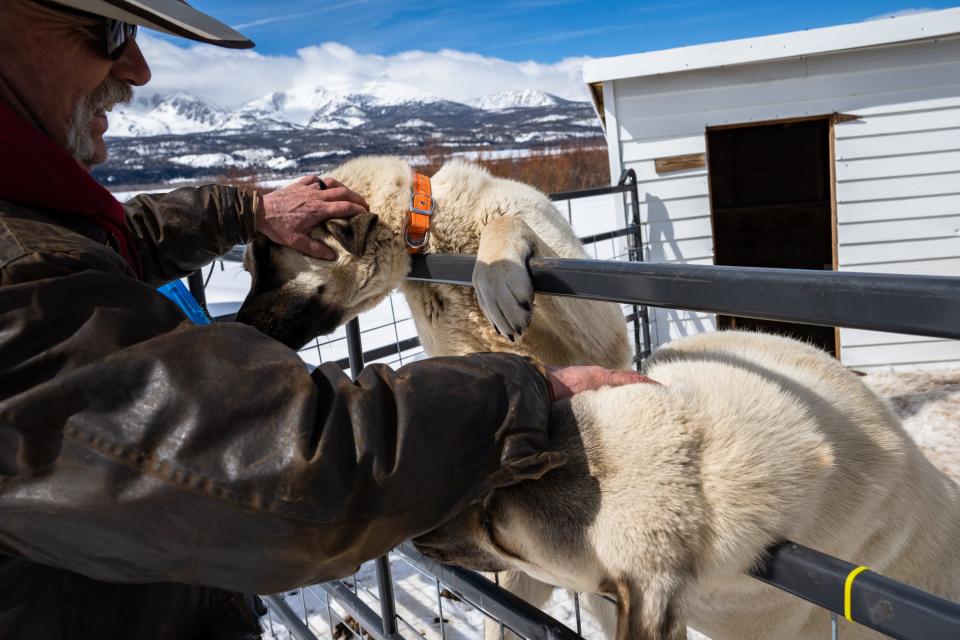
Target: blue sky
458,50
540,30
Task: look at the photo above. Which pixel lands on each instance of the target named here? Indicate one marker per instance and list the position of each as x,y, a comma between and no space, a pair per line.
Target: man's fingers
289,214
620,377
341,193
332,183
312,247
330,210
568,381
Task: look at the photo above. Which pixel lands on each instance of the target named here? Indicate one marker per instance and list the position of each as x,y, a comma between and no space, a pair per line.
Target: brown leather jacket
148,466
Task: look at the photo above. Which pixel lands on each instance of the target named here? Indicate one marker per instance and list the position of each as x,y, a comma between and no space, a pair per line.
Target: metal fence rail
919,305
873,600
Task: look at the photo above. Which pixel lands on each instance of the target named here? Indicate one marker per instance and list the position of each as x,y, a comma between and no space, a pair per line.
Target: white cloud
900,13
229,77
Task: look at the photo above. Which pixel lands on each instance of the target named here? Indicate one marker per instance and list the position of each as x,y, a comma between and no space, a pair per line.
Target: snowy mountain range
179,137
299,108
517,100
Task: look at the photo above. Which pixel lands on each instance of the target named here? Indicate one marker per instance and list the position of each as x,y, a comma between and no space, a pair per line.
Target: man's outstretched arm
141,448
178,232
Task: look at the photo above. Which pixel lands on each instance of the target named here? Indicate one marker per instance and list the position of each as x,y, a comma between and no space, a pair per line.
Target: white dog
674,490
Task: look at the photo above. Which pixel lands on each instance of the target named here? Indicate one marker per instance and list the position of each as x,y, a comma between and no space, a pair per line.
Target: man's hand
567,381
287,215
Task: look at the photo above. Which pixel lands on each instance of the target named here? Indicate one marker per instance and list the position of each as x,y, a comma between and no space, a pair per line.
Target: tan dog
674,491
295,298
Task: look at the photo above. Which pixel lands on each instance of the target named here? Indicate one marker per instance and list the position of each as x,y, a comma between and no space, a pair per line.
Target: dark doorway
771,195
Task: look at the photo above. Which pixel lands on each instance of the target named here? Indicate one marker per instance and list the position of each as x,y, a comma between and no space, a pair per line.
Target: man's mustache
110,93
79,141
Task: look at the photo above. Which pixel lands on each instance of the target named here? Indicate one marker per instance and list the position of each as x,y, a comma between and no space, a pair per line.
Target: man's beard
80,140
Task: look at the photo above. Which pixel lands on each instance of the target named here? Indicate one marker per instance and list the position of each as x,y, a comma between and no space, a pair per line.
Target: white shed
834,148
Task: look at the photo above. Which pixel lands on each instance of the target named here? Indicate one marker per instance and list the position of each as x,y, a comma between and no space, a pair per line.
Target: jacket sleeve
137,447
176,233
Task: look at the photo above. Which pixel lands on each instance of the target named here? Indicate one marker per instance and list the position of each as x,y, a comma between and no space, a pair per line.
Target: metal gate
366,605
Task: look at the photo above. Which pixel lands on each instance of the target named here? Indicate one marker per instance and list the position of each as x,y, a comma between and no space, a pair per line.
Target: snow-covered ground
928,402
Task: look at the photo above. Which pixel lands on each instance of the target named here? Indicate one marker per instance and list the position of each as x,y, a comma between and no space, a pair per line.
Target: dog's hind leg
520,584
648,611
501,279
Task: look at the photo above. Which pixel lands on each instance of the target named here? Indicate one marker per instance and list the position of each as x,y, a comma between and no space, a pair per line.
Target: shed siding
898,199
898,166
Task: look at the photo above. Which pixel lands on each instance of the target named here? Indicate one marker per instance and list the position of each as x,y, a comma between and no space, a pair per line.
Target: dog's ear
352,232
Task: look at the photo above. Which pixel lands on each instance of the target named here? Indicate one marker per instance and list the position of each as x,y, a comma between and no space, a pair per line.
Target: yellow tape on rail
848,588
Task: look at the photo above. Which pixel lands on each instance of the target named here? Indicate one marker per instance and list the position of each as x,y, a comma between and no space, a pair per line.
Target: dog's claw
526,305
510,335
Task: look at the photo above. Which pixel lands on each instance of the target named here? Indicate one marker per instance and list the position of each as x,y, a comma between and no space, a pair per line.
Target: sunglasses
117,33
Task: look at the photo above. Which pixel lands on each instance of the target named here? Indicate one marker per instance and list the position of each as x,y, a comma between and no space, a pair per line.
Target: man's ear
352,232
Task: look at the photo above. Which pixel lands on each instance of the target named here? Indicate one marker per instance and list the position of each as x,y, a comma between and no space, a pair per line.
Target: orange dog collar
418,220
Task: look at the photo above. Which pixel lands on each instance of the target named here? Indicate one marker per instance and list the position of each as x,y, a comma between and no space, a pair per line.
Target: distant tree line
564,168
550,169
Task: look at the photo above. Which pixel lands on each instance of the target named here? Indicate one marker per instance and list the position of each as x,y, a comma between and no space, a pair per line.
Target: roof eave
923,26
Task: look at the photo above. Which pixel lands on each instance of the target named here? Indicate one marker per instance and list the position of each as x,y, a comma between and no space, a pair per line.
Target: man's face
55,66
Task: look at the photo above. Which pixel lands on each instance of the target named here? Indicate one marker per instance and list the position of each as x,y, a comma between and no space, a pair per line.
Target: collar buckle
422,204
417,232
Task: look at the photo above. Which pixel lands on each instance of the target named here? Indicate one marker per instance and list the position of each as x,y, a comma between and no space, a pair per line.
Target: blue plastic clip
185,300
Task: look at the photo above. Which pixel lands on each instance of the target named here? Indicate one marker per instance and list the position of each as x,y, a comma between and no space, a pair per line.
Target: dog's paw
505,294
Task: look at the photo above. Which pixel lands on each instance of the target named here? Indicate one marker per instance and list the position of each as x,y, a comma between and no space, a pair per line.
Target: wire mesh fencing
425,607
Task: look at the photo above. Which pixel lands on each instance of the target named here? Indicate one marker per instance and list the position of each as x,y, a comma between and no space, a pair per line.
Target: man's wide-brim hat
171,16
